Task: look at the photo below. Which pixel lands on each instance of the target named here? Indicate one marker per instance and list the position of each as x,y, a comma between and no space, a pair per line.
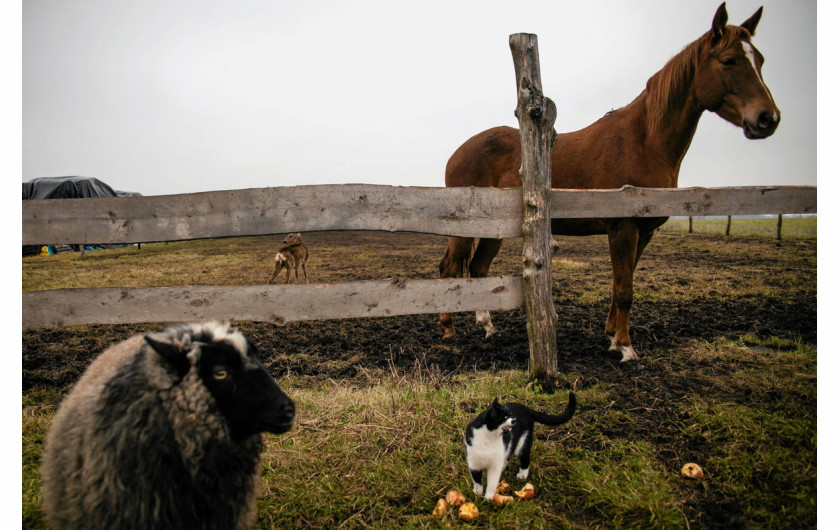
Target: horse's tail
558,419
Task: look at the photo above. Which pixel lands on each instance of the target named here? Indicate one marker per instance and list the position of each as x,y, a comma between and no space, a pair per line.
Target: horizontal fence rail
485,212
630,201
277,304
466,212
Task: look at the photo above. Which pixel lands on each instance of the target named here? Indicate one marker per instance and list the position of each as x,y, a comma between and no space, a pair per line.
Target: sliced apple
692,470
501,500
468,512
526,492
454,498
440,509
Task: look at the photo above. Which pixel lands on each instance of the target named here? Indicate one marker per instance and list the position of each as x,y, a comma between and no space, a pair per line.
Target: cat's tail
558,419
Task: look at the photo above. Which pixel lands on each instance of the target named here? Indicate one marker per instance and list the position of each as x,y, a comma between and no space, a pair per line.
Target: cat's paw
477,489
522,475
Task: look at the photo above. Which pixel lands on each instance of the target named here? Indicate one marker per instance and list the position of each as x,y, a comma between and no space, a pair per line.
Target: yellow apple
692,470
526,492
440,508
454,498
468,512
501,500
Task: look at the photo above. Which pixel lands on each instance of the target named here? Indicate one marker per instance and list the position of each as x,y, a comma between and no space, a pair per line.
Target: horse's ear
752,22
719,23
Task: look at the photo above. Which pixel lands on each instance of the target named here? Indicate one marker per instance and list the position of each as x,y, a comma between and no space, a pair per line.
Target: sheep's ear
171,353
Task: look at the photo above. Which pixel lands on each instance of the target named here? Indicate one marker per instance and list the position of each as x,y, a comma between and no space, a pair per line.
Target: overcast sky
178,96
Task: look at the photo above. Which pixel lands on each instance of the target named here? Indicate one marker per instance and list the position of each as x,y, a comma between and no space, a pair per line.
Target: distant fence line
466,212
729,218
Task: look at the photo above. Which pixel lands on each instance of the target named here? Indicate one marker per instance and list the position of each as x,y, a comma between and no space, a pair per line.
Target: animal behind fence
641,144
291,254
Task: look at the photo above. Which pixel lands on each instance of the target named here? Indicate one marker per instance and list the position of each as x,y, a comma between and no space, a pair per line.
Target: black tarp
67,188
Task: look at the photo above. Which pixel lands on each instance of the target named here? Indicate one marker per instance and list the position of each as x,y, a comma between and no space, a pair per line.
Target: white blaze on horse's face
759,113
742,98
752,56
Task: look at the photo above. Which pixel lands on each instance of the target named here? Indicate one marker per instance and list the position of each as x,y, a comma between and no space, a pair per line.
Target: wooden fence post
779,229
536,115
728,223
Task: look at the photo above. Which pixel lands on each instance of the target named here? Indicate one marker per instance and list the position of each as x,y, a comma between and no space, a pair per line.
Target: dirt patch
690,290
337,349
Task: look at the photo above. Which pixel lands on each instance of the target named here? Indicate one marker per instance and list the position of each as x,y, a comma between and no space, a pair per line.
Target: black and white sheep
163,431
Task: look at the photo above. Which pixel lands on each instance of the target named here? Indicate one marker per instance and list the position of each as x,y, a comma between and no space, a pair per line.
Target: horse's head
728,78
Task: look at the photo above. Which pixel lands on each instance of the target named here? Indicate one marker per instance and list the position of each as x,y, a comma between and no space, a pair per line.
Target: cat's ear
495,402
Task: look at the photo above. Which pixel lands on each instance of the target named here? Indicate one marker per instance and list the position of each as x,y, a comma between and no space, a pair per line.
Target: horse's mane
674,78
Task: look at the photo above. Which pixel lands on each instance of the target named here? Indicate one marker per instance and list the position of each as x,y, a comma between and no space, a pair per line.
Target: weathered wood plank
630,201
536,115
268,303
481,212
476,212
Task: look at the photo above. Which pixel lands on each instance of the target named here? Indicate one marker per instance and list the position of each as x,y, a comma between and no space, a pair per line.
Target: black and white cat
501,431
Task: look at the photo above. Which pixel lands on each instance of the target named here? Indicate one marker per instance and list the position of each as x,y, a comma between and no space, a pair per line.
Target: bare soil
689,290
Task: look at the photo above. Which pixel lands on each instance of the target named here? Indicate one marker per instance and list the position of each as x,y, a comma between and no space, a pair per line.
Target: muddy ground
690,290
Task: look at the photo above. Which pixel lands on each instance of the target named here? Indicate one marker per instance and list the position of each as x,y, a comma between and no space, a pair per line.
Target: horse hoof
628,354
482,318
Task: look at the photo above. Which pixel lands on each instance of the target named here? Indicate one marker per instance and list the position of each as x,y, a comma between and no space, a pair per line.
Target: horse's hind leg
454,265
624,245
483,256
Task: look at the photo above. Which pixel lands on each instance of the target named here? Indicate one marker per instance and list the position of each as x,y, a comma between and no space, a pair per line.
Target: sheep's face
244,392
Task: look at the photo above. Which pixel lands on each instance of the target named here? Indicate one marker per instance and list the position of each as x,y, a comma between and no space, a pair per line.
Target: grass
377,449
763,228
380,449
380,452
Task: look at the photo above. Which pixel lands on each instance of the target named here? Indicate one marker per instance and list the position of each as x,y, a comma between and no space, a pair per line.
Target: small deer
292,252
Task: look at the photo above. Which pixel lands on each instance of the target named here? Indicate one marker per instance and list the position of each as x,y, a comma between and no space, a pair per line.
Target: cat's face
499,418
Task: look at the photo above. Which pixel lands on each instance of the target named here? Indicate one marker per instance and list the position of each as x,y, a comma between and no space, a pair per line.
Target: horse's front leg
485,251
454,265
623,240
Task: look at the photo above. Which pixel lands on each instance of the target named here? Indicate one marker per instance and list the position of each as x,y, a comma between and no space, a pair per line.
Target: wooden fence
467,212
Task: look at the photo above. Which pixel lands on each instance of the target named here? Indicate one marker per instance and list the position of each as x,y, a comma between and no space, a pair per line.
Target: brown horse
641,144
